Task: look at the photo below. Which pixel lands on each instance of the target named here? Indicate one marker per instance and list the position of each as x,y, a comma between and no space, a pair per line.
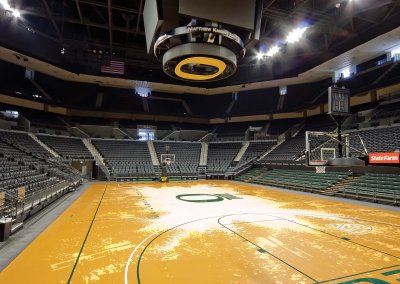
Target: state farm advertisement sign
383,158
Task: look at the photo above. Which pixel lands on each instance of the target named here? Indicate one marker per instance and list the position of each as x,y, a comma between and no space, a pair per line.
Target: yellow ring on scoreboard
216,63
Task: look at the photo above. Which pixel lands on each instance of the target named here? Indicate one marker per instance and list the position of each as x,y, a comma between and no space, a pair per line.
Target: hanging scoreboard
338,101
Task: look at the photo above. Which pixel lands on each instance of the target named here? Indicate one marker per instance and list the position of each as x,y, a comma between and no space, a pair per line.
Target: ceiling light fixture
8,8
16,13
295,35
272,51
5,4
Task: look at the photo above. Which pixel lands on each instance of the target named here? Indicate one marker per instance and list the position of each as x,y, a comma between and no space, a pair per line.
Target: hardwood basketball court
211,232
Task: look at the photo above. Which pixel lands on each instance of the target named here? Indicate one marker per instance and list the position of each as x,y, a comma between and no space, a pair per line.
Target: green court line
369,271
166,231
350,241
346,239
87,234
260,249
391,272
159,235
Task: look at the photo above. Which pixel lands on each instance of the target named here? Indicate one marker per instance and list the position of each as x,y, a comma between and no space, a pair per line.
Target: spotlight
16,13
10,10
5,4
295,35
260,55
62,51
142,89
272,51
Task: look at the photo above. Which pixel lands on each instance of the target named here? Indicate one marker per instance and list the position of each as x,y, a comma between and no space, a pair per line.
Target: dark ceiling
116,28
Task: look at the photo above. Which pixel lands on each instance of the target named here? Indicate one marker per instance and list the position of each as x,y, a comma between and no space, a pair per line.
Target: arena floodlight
272,51
5,4
8,8
142,89
260,55
16,13
295,35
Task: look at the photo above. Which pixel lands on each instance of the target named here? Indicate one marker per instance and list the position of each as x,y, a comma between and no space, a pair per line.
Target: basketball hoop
320,169
167,159
167,162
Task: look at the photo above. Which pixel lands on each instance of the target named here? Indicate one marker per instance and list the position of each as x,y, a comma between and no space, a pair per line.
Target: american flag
113,67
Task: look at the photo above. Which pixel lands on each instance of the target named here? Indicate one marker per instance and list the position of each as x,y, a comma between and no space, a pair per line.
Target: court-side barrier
375,187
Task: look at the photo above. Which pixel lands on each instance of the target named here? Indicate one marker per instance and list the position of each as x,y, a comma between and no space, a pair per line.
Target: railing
245,166
15,208
43,194
12,207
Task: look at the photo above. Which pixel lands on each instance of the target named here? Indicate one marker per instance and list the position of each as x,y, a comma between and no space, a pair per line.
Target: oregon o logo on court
205,197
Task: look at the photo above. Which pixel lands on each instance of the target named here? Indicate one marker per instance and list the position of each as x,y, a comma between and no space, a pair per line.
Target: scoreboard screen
338,101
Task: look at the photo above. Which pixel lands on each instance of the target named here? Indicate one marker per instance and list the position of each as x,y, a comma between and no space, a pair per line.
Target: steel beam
120,8
84,22
110,31
50,16
78,8
138,17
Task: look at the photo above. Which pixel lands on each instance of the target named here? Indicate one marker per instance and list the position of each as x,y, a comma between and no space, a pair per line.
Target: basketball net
320,169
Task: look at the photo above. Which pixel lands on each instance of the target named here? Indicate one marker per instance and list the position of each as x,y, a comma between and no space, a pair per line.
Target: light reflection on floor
210,232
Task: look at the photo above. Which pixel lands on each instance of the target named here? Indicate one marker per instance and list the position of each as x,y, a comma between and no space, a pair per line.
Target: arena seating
384,139
370,186
250,174
294,148
255,149
235,131
24,142
20,169
43,121
68,147
261,101
303,95
126,158
290,150
317,123
221,155
375,187
279,126
387,111
297,179
187,155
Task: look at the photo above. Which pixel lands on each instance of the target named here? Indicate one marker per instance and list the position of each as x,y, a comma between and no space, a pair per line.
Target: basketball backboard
167,159
323,146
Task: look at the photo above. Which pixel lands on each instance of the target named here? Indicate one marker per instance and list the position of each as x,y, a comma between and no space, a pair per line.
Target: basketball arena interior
178,141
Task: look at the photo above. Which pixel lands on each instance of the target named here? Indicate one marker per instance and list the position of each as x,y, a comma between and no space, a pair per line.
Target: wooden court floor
210,232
